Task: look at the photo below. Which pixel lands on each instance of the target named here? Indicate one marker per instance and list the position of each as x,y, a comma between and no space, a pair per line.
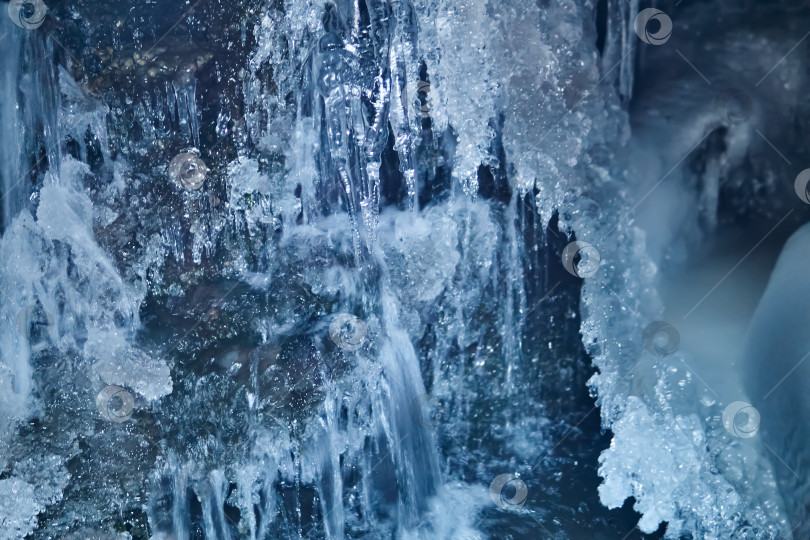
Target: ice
80,114
185,103
620,44
419,166
62,277
776,368
454,40
666,473
18,509
688,479
559,117
420,252
126,366
734,491
10,153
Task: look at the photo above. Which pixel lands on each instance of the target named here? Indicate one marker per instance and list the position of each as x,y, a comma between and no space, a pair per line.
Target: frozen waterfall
412,269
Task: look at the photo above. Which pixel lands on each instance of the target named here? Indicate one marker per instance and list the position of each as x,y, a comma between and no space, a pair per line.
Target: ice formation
776,354
417,165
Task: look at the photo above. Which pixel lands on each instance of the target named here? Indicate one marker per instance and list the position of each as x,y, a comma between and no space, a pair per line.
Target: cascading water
361,269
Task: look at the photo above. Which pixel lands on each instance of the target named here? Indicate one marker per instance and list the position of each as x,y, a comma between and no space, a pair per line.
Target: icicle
185,100
620,46
12,168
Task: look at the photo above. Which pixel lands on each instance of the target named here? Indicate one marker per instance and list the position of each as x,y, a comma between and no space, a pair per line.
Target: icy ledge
670,451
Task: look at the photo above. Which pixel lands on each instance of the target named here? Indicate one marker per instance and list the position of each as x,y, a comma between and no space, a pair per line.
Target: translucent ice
777,373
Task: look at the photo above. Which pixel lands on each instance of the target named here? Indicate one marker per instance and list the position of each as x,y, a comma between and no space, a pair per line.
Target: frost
656,476
18,509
